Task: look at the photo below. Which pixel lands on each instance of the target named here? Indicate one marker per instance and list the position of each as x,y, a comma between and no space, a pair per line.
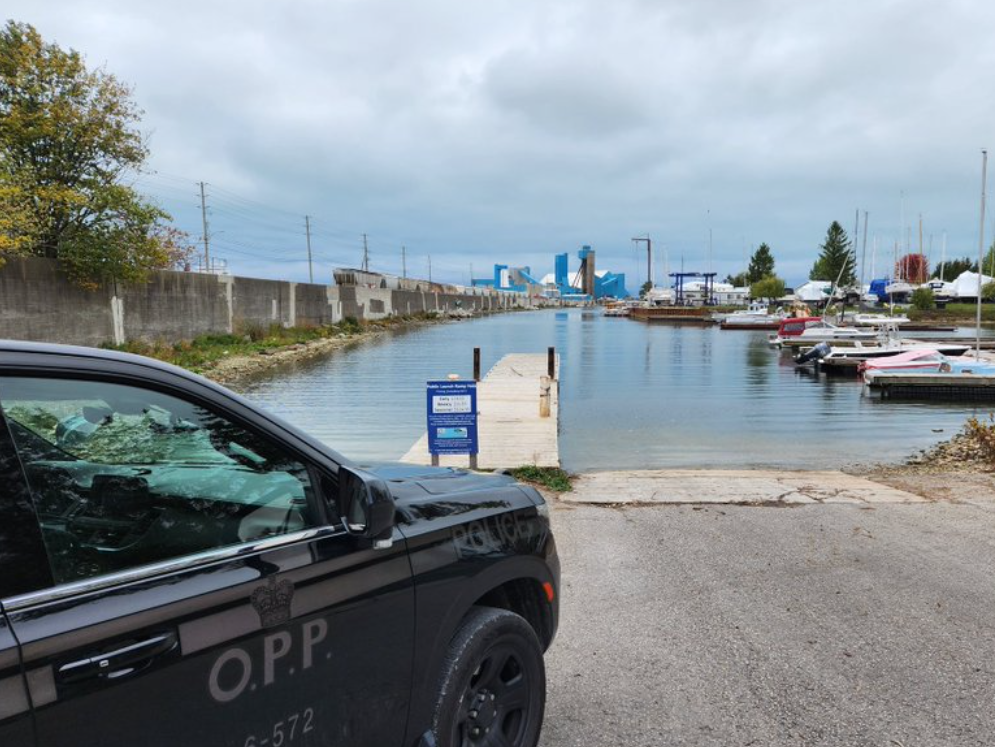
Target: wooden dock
510,430
940,387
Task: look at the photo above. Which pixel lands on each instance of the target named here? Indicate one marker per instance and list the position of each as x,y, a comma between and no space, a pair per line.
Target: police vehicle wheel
492,687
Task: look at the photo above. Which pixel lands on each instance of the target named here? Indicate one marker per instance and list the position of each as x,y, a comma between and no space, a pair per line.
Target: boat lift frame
679,278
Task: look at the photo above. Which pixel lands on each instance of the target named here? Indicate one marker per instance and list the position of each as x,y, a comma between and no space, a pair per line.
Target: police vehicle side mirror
366,507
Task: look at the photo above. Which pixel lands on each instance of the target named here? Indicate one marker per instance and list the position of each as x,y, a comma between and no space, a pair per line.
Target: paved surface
732,486
511,431
721,625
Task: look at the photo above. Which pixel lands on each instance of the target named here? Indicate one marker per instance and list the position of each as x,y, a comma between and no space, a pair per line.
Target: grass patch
201,353
552,478
954,312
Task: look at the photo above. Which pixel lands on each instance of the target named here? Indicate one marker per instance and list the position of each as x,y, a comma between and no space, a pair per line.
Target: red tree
913,268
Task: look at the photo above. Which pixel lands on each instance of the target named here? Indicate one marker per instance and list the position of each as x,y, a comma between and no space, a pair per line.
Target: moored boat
811,330
827,355
756,316
926,361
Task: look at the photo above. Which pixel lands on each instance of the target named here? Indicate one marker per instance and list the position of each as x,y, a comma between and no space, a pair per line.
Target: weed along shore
229,359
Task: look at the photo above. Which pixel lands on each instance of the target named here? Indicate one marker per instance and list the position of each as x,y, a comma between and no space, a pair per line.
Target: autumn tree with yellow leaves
69,139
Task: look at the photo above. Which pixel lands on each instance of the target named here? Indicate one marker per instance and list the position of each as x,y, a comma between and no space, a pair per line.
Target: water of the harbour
633,395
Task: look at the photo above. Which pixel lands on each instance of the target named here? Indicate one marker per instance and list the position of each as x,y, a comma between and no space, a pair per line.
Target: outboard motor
819,351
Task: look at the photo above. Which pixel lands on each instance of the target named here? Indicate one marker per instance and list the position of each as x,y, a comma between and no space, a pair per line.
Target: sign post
451,411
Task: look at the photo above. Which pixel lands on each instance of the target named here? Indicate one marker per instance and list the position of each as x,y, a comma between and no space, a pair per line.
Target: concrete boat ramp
512,430
736,487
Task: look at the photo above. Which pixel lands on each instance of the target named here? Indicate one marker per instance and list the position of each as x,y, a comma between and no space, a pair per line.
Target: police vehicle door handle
118,662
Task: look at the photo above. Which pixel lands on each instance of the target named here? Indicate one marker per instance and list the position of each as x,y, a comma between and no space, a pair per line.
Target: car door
22,569
203,593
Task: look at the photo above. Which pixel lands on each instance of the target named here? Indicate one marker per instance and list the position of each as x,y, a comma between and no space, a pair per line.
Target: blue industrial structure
585,285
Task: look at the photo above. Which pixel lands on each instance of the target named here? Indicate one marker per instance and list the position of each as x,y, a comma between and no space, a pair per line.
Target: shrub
983,435
923,299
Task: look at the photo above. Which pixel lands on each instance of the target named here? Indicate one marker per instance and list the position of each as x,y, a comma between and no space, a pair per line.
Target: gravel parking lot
834,624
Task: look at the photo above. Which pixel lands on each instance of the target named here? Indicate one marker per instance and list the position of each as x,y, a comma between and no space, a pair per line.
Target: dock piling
545,384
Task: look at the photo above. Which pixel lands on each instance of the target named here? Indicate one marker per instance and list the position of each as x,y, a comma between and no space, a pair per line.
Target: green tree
18,224
739,280
988,291
761,264
923,299
954,267
988,263
68,139
646,288
836,261
768,287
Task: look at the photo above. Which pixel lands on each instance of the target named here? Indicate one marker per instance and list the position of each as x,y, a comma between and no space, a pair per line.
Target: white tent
966,284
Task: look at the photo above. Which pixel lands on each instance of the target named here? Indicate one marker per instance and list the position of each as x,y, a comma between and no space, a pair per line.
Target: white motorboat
756,316
879,320
617,310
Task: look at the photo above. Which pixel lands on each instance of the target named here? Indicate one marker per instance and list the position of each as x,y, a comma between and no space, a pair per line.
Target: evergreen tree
739,280
954,267
836,259
761,265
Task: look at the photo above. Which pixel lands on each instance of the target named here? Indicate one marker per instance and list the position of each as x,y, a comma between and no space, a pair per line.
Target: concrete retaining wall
38,302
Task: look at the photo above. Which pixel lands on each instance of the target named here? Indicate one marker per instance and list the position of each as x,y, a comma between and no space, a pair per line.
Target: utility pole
366,255
307,232
203,217
649,256
404,264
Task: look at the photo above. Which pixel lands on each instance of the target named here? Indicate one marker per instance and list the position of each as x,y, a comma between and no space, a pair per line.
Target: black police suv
178,567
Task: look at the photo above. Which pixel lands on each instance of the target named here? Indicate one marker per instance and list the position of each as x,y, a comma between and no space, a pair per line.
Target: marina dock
512,433
932,386
695,314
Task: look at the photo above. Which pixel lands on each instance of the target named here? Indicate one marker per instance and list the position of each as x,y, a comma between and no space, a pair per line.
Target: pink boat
919,360
912,360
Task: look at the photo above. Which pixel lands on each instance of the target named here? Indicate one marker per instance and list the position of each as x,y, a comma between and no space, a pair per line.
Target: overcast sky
509,131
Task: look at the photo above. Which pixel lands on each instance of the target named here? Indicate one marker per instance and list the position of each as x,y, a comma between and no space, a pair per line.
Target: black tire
492,684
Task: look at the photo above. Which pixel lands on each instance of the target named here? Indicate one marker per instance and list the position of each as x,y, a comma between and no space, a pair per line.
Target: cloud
507,131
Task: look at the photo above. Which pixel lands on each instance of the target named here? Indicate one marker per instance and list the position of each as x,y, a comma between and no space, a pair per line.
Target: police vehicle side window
123,476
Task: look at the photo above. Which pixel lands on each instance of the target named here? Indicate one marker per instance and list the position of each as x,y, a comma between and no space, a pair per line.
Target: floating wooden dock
510,430
694,314
940,387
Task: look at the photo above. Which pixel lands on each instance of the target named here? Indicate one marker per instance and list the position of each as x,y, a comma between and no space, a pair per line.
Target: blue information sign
452,417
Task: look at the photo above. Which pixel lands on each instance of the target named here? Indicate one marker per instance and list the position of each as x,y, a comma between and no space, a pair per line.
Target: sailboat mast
981,248
943,256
